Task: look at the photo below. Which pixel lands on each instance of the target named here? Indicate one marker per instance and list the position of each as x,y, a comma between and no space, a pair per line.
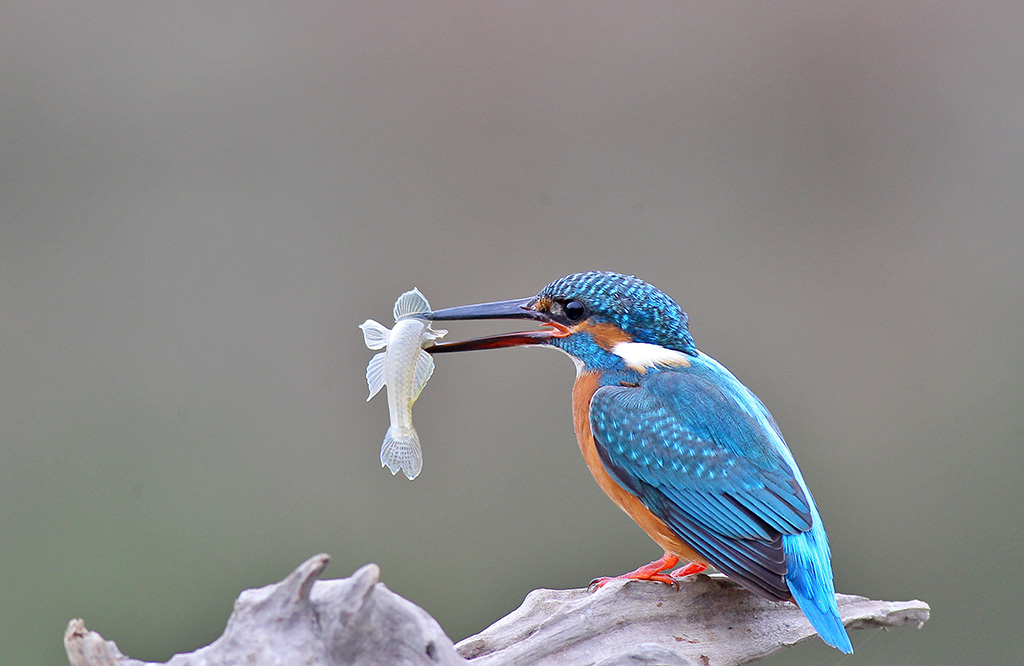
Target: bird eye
574,310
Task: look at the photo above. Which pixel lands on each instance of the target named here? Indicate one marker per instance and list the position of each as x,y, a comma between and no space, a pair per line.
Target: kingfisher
676,441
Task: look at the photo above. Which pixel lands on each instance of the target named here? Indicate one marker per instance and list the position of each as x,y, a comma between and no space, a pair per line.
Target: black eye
574,311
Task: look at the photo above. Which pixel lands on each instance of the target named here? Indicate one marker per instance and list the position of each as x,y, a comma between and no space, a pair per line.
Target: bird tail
810,581
401,451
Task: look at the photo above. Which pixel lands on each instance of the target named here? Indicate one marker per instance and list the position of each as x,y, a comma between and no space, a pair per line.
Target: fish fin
375,334
376,373
401,451
411,303
424,368
430,334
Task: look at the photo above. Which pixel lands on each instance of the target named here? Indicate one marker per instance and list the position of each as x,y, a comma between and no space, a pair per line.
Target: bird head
605,321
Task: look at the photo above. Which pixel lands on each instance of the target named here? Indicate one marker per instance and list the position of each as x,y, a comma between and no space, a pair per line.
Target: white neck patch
641,355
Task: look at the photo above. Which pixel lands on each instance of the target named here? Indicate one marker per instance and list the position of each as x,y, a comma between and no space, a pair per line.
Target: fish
404,367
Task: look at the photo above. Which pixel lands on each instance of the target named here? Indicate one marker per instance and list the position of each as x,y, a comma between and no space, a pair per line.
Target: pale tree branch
358,620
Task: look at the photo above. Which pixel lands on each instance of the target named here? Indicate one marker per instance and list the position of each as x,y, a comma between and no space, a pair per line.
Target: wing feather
708,463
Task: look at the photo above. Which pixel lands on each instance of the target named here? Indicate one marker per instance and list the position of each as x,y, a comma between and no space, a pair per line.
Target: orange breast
582,392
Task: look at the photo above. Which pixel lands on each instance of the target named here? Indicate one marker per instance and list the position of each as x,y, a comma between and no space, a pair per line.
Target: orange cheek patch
605,335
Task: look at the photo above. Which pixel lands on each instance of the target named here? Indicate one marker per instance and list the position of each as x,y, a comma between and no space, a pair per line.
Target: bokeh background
200,201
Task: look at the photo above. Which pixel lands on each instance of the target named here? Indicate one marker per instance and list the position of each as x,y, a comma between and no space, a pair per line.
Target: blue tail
810,580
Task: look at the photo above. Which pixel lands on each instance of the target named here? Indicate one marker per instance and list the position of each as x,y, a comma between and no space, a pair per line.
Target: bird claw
689,569
653,571
598,583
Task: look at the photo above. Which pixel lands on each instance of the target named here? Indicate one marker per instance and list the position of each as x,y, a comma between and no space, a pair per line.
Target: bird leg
691,568
650,571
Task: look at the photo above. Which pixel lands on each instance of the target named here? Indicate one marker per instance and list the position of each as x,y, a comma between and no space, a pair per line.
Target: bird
676,440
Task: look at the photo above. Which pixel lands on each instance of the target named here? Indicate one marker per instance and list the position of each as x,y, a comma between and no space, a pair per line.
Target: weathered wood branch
710,619
358,620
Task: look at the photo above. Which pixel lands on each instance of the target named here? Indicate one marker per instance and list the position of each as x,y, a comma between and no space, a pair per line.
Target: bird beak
519,308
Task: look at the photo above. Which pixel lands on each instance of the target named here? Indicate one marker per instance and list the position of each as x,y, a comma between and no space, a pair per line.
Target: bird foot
652,571
691,568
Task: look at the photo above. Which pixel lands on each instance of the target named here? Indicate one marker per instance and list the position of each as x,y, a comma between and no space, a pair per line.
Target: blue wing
702,453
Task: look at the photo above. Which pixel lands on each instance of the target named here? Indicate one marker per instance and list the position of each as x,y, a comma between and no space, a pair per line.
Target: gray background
200,201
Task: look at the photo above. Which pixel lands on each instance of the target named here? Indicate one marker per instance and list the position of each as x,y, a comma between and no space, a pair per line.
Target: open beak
518,308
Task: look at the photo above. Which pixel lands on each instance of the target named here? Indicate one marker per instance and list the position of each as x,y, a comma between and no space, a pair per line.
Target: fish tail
810,581
401,451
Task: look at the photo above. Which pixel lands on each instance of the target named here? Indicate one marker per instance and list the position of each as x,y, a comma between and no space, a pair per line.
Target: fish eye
574,310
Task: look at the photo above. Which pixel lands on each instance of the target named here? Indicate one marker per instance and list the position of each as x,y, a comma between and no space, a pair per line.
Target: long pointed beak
518,308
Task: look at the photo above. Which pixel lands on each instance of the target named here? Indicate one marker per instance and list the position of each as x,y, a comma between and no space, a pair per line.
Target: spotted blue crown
629,303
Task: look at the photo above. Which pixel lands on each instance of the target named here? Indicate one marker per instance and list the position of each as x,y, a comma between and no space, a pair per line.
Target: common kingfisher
676,441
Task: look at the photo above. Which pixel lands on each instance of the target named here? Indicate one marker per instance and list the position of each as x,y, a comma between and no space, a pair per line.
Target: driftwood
358,620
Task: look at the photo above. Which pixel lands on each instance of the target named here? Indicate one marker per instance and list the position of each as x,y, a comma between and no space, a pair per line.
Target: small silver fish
405,368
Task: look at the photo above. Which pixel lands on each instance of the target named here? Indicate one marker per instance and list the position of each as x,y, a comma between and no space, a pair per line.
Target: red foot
650,571
691,568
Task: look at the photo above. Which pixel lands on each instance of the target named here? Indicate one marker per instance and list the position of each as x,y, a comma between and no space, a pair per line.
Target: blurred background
200,202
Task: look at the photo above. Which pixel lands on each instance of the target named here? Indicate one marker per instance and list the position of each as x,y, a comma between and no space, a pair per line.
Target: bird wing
693,449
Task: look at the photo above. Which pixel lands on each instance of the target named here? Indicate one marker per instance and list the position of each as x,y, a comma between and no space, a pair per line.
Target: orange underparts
674,547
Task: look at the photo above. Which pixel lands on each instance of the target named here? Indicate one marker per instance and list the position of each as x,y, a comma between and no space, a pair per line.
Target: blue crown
628,302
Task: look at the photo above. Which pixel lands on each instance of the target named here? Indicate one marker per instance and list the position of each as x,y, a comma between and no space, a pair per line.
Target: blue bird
676,441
